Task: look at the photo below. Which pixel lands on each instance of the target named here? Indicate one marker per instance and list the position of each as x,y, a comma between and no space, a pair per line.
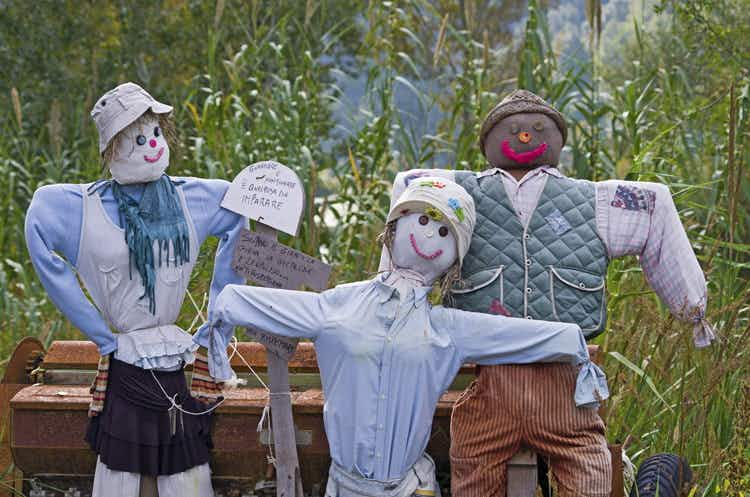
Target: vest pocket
170,272
112,276
481,291
577,297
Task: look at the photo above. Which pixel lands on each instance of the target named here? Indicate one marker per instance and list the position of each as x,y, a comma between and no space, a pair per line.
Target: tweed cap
120,107
521,101
454,203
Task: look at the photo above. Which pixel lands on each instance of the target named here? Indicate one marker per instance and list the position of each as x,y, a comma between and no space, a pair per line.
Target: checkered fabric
202,386
99,386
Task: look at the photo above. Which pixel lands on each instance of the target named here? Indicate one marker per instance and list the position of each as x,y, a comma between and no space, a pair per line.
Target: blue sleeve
490,339
203,197
53,230
288,313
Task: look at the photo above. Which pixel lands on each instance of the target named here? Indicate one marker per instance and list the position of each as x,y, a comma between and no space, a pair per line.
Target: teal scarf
157,217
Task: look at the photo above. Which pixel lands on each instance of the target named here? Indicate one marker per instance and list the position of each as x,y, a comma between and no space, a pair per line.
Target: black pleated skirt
134,432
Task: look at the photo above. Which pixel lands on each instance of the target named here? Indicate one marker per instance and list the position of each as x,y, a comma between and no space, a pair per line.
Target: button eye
423,220
157,131
443,231
140,140
514,128
538,125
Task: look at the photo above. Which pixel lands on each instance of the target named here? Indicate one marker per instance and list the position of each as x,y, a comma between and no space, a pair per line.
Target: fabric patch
454,204
497,308
434,213
632,198
558,222
432,184
411,177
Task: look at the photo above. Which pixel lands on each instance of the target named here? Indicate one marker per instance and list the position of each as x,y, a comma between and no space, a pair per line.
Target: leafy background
348,92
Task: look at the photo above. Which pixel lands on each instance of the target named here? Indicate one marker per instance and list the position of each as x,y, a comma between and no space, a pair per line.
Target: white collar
551,170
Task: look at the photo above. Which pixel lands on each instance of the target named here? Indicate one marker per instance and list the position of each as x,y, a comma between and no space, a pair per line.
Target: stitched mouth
522,157
155,157
421,254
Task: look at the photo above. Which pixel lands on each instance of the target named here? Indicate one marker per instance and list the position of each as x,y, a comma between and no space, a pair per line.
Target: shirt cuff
218,362
591,386
201,336
108,348
703,333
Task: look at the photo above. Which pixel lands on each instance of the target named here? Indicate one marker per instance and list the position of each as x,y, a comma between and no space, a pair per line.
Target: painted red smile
522,157
421,254
155,157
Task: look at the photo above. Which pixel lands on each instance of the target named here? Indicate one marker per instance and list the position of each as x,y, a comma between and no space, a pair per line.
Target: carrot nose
524,137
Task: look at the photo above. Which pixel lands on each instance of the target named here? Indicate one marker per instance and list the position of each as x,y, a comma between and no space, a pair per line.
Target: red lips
421,254
154,158
522,157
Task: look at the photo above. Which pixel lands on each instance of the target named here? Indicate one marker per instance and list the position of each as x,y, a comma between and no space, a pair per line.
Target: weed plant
251,81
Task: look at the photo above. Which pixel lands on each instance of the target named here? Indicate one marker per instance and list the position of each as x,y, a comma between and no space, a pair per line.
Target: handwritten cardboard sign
283,347
268,192
266,262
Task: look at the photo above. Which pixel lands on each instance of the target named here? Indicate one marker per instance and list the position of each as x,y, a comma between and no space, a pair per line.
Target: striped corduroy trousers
511,406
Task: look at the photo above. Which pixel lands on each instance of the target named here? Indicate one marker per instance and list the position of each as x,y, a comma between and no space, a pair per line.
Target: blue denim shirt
385,361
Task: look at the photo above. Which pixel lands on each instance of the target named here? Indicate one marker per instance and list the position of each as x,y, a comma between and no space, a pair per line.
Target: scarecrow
386,354
133,241
540,250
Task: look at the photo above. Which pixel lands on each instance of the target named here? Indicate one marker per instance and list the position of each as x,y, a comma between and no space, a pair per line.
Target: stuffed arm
641,219
288,313
204,198
490,339
204,201
52,230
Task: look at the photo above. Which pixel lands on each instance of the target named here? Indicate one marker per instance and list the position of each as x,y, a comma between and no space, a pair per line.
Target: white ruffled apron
146,340
419,480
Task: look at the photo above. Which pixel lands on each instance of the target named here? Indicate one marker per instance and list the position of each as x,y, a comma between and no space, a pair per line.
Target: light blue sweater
53,232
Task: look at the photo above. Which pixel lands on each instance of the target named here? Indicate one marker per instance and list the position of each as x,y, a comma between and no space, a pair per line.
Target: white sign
268,192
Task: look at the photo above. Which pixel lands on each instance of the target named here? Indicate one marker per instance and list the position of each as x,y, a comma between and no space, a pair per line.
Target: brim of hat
420,206
128,117
160,108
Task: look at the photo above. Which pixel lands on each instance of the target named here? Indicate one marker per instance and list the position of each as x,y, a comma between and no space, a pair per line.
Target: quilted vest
552,269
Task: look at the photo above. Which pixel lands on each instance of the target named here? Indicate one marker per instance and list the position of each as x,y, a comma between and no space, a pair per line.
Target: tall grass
268,83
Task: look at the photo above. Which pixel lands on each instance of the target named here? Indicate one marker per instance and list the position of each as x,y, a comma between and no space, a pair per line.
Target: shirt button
529,290
528,262
388,338
528,317
526,236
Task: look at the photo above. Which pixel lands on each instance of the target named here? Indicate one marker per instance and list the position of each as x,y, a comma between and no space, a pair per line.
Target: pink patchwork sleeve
640,218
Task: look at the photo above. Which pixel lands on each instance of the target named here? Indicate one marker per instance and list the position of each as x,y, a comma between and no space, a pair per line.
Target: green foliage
253,81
